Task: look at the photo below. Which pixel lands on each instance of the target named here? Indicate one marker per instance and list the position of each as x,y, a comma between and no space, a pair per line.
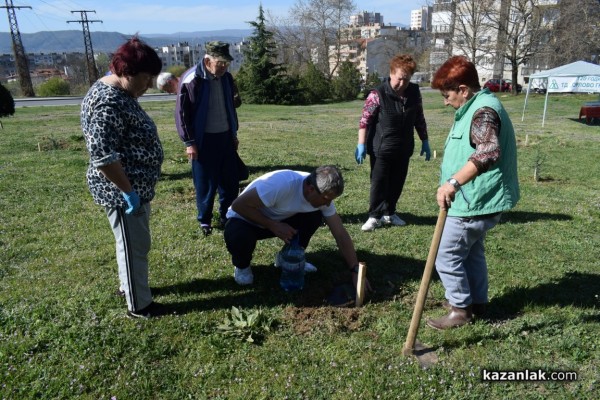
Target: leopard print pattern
116,128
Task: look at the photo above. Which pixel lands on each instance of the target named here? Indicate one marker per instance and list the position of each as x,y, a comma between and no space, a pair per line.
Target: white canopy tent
577,77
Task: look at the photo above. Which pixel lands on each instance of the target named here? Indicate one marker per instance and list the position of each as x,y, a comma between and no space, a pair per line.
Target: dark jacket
192,104
394,131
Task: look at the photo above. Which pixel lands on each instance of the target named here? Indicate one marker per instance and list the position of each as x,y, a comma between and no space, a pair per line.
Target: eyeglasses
222,63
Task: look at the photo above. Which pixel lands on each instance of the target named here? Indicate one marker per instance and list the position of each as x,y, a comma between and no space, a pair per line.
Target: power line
87,41
19,51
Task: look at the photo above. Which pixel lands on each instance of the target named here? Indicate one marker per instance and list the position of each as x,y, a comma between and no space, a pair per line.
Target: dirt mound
307,320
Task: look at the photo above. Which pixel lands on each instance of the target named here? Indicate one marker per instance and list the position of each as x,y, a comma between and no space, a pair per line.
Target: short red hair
135,57
454,72
404,61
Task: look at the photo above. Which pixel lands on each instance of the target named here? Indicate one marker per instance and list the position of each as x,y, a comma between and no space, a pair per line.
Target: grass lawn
63,334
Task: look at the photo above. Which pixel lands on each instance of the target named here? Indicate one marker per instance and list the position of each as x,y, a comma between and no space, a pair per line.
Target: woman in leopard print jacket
125,160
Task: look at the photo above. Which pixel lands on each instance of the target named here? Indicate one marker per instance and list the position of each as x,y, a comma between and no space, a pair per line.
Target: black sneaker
154,310
206,230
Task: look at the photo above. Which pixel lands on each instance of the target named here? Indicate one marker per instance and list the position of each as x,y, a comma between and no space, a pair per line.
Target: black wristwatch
454,183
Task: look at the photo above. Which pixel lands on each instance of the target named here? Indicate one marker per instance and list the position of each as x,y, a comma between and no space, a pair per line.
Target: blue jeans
214,171
461,262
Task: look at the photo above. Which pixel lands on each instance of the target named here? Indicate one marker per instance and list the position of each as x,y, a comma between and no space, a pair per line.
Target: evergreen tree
261,80
346,86
315,87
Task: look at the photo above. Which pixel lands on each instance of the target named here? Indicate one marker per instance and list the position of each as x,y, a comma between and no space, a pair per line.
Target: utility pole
20,57
87,41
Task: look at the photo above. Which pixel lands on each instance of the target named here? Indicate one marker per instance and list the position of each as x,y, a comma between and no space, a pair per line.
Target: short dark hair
327,178
454,72
135,57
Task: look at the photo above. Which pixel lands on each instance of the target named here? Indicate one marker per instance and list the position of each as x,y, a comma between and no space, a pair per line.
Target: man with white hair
167,82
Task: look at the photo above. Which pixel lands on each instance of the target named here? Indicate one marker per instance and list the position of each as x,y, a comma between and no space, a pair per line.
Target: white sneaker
243,276
393,220
371,224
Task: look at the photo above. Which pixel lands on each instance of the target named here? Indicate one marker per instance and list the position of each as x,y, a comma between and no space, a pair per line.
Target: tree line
529,32
299,59
519,33
263,80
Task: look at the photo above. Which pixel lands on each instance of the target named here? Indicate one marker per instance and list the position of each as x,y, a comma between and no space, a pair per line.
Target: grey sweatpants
132,237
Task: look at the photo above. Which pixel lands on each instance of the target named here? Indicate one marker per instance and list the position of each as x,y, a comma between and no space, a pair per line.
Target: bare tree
313,27
522,28
293,42
568,43
442,31
461,27
473,34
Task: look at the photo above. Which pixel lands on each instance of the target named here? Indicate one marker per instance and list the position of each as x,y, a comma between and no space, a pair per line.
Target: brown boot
456,317
478,309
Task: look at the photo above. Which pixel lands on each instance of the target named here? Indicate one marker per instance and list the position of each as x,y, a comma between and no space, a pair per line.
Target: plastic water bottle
291,261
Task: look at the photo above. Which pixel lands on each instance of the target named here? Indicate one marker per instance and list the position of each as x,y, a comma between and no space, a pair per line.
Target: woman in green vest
478,182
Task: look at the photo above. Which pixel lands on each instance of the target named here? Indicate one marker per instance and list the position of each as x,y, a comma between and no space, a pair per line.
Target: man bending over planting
282,204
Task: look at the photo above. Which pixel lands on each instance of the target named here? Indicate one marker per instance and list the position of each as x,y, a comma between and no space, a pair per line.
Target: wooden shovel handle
409,345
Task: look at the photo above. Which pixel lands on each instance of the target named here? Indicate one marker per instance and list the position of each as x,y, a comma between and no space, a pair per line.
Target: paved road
76,100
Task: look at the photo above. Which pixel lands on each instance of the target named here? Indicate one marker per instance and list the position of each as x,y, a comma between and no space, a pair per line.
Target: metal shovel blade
425,356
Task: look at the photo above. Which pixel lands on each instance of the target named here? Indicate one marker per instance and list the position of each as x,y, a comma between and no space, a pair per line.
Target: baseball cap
218,50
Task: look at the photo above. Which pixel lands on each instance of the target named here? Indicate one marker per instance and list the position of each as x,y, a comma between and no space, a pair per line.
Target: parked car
420,77
497,85
501,85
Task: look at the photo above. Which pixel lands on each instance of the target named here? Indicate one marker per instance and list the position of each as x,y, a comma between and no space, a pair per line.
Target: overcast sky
172,16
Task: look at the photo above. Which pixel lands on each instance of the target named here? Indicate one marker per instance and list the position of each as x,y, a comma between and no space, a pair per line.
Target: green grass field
63,334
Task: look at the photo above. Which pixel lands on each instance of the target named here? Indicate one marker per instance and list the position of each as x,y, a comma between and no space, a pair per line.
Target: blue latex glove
133,202
425,149
360,153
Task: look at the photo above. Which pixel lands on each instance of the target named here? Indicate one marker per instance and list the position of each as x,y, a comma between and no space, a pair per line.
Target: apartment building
188,55
366,18
370,44
421,19
181,53
442,23
42,66
453,25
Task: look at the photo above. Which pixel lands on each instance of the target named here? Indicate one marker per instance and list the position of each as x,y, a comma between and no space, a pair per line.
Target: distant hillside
72,40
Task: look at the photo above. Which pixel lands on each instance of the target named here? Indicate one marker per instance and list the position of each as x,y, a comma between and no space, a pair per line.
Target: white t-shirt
281,193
